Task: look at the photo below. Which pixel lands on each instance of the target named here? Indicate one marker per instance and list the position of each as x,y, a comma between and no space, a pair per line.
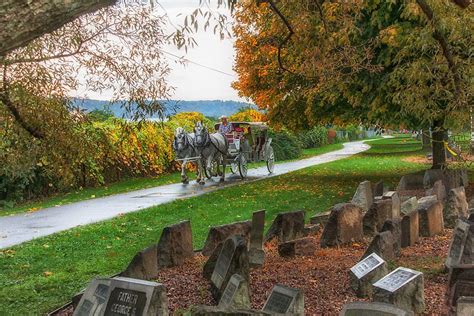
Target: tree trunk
24,20
472,128
426,139
439,136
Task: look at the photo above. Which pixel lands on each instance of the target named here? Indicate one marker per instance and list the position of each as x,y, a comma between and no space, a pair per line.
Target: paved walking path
24,227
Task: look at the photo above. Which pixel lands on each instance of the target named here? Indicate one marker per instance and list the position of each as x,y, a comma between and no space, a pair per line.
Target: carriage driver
225,127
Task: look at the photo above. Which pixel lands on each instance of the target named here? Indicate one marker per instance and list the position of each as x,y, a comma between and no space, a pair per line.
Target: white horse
183,146
212,148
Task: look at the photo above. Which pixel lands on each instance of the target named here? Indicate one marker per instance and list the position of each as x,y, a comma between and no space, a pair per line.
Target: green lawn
130,185
40,275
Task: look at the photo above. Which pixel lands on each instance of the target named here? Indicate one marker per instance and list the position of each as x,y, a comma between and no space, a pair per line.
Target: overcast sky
191,81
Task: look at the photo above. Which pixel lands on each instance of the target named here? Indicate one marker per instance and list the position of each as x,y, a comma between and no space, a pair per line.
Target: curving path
24,227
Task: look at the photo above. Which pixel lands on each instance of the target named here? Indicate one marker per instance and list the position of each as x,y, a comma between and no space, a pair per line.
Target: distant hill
212,108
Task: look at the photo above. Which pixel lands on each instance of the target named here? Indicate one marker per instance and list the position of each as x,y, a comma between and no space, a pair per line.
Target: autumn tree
366,61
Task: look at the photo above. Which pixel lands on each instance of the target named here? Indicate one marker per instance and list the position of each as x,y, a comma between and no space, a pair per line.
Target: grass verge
40,275
131,184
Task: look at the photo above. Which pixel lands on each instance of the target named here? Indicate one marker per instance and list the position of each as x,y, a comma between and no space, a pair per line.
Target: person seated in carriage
225,127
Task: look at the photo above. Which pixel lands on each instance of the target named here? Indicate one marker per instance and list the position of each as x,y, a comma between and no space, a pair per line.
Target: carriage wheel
243,166
234,167
270,160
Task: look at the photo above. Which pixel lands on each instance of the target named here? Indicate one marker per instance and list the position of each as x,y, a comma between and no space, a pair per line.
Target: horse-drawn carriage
247,142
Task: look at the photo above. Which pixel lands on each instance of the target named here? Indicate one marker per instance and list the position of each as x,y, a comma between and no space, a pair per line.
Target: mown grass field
40,275
128,185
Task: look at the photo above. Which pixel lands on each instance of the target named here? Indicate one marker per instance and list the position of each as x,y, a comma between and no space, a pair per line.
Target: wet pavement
24,227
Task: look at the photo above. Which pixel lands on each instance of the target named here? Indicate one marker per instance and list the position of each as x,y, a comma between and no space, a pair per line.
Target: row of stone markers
395,220
232,249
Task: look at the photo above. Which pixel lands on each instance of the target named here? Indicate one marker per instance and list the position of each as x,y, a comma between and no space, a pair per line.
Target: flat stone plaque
396,279
223,262
93,300
367,265
236,293
283,300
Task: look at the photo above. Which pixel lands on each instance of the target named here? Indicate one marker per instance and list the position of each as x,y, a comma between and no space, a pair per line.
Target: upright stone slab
395,227
458,242
144,265
373,309
344,225
382,245
123,296
456,207
409,206
410,229
439,190
451,178
468,253
430,212
366,272
285,300
363,197
396,202
236,293
465,306
376,216
298,247
403,288
378,189
218,234
412,181
287,226
175,245
461,282
232,259
256,253
211,262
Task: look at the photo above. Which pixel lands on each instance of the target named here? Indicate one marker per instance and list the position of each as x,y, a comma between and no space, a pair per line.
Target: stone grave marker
298,247
413,181
123,296
366,272
452,178
439,190
395,227
287,226
373,309
458,242
144,265
461,282
409,206
465,306
378,189
285,300
456,206
233,258
175,245
376,216
403,288
236,293
344,225
430,212
218,234
363,197
94,298
396,202
383,245
256,252
410,229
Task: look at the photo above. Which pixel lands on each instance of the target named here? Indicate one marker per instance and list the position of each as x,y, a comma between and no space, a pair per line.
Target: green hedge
285,145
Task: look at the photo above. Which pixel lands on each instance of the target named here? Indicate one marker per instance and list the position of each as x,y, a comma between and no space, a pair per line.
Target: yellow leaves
389,35
32,209
9,253
47,273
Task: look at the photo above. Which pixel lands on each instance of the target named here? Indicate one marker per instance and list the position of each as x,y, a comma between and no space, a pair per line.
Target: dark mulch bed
323,277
